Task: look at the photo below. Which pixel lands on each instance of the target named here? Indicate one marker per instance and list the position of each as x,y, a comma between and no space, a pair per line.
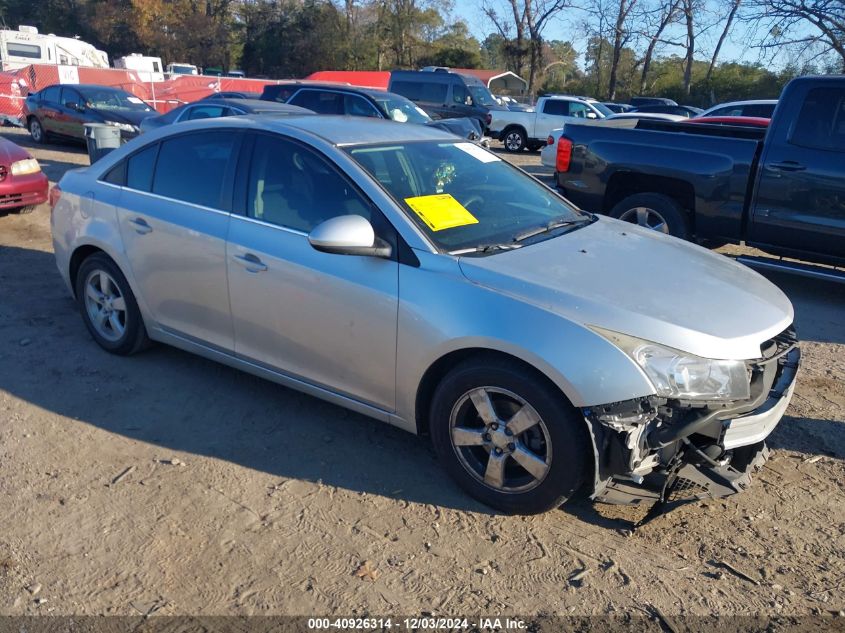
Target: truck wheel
653,211
515,140
507,437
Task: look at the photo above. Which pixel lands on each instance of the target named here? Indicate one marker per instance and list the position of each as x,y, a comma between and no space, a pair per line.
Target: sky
565,27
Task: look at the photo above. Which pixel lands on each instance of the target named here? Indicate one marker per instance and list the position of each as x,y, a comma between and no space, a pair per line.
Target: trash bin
101,139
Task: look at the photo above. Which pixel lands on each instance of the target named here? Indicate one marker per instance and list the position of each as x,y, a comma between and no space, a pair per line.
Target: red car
747,121
23,185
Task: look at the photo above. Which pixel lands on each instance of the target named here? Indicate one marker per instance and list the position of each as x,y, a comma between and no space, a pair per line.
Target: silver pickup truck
521,130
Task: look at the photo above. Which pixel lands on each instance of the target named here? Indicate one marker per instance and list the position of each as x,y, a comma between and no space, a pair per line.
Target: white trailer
148,68
180,68
27,46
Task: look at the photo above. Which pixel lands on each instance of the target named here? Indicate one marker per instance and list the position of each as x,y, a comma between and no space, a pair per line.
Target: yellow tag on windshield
441,211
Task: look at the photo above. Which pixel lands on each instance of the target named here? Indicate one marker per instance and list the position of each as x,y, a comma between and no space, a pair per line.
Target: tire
121,331
36,131
514,139
548,428
654,211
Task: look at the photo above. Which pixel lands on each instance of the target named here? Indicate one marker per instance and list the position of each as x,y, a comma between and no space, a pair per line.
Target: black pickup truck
780,189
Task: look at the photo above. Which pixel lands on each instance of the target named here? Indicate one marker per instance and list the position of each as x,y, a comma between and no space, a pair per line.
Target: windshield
482,96
183,70
462,196
403,110
114,100
601,108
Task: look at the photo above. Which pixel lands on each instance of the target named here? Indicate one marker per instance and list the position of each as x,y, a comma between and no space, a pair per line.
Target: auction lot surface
243,497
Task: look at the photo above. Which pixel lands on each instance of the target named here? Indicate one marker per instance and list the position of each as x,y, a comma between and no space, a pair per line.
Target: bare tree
728,24
530,19
655,21
784,24
621,37
688,9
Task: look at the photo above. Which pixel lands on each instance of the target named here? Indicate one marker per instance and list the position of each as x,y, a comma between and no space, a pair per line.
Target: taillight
55,194
550,140
564,154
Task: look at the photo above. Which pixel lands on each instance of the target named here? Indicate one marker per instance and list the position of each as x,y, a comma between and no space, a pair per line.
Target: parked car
779,189
748,121
232,94
417,278
23,185
617,108
367,102
63,110
446,95
213,108
661,108
529,130
764,108
634,115
638,102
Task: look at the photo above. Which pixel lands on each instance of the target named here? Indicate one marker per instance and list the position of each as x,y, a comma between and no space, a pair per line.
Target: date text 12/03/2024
418,623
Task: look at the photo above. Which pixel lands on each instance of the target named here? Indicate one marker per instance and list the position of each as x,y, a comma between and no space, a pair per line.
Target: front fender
441,312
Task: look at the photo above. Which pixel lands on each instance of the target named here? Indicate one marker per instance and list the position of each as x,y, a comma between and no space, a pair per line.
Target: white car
763,108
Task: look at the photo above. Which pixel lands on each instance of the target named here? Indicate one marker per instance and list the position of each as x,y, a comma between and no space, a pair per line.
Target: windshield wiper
551,226
486,248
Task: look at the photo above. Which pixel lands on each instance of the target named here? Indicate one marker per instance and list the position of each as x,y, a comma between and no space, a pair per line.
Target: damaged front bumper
651,450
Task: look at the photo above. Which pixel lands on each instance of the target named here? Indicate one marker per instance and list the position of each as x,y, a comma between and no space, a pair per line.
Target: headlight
676,374
26,166
125,127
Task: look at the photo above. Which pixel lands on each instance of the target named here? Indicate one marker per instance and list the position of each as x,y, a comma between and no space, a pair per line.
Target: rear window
821,123
427,92
278,93
556,107
192,168
51,94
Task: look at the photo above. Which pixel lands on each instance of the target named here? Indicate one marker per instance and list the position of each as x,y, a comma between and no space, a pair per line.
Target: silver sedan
416,278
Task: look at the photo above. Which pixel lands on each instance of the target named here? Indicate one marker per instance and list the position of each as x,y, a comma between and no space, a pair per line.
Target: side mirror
348,235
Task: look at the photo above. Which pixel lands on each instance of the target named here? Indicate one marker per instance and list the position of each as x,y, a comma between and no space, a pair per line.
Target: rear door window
320,101
51,94
139,168
556,107
192,167
205,112
355,105
821,123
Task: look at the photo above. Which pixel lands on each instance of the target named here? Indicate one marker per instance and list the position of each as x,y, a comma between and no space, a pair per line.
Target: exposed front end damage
658,450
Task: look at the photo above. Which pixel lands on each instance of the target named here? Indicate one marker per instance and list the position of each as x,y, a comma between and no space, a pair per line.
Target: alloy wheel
36,131
513,141
105,305
500,439
647,218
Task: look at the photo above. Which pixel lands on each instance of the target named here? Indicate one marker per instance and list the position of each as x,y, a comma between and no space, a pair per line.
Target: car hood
133,117
10,152
463,127
623,278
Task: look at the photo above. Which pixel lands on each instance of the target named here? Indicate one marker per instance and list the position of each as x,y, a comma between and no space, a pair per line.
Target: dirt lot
246,498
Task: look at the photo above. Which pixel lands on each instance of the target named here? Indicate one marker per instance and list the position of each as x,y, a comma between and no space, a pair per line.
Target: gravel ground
168,484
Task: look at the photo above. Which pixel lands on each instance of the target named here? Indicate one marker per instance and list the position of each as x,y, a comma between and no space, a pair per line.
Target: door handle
140,225
251,263
787,165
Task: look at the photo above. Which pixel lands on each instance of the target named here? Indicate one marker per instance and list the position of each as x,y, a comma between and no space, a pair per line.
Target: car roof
338,130
253,104
747,102
372,92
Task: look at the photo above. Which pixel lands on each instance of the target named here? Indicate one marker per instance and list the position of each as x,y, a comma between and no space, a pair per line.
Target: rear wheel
507,437
514,140
108,306
36,131
653,211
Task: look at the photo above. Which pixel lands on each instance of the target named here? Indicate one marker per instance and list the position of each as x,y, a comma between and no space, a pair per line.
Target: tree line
671,48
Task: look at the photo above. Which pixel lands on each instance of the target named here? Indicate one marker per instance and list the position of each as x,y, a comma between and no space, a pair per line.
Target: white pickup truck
520,130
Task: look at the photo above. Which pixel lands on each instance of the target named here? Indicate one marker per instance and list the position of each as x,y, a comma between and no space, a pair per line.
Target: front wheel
508,437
